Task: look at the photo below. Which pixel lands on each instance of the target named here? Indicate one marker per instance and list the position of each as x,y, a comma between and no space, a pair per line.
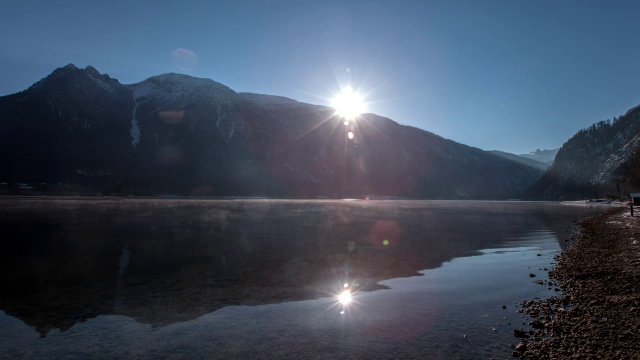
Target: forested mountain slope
598,161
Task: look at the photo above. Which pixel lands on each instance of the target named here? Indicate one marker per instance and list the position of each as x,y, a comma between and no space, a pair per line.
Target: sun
348,104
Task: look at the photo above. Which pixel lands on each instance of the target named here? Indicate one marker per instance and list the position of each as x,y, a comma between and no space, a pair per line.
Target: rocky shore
597,315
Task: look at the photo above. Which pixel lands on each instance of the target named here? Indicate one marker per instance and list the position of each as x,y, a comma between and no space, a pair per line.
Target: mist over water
122,278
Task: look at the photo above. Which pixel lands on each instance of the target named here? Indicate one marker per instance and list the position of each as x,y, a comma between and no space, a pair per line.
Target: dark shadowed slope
176,134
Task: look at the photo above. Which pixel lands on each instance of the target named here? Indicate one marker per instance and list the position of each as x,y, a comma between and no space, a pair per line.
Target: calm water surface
191,279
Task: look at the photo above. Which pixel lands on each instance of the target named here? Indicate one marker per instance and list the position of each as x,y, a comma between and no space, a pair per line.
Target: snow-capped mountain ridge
174,86
545,156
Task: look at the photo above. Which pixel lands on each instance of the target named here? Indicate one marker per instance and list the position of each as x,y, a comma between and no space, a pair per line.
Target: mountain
180,135
545,156
602,160
71,126
542,166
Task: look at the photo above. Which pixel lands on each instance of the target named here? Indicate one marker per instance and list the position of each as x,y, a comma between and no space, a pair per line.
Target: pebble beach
596,314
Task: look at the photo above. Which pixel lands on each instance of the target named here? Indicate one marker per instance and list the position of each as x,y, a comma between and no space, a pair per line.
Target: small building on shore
635,198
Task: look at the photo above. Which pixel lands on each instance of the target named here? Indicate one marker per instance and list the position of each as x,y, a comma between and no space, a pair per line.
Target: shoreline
597,313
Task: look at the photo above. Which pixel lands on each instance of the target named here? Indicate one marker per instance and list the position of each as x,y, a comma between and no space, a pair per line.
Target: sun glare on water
348,104
345,297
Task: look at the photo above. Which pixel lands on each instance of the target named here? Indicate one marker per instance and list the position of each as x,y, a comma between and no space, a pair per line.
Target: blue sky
507,75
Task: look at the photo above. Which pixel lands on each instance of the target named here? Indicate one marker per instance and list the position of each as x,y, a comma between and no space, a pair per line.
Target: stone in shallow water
519,333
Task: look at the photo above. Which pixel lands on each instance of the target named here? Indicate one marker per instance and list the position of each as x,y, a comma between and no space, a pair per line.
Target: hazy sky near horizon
506,75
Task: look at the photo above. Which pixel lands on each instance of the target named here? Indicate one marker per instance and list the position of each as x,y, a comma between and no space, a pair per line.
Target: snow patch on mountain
135,128
219,116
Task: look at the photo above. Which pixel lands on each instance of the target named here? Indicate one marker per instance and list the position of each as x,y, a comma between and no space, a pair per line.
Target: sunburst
348,104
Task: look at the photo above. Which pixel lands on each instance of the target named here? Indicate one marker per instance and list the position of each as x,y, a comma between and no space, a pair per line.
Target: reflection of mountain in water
164,261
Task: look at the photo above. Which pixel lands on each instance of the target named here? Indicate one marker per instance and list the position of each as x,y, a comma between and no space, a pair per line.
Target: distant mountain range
80,131
525,160
544,156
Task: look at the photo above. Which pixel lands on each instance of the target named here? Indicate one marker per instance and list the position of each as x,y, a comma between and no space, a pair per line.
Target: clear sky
509,75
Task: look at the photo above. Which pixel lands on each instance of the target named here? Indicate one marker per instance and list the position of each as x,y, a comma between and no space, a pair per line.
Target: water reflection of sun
345,297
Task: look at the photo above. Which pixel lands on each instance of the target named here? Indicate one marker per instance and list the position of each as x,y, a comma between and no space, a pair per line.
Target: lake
195,278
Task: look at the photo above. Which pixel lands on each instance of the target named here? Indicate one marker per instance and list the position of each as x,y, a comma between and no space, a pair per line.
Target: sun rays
348,104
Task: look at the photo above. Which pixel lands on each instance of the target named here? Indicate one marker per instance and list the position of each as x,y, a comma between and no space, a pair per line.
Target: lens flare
345,297
184,59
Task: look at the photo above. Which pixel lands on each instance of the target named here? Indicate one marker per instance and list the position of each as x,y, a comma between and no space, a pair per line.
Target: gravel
597,312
